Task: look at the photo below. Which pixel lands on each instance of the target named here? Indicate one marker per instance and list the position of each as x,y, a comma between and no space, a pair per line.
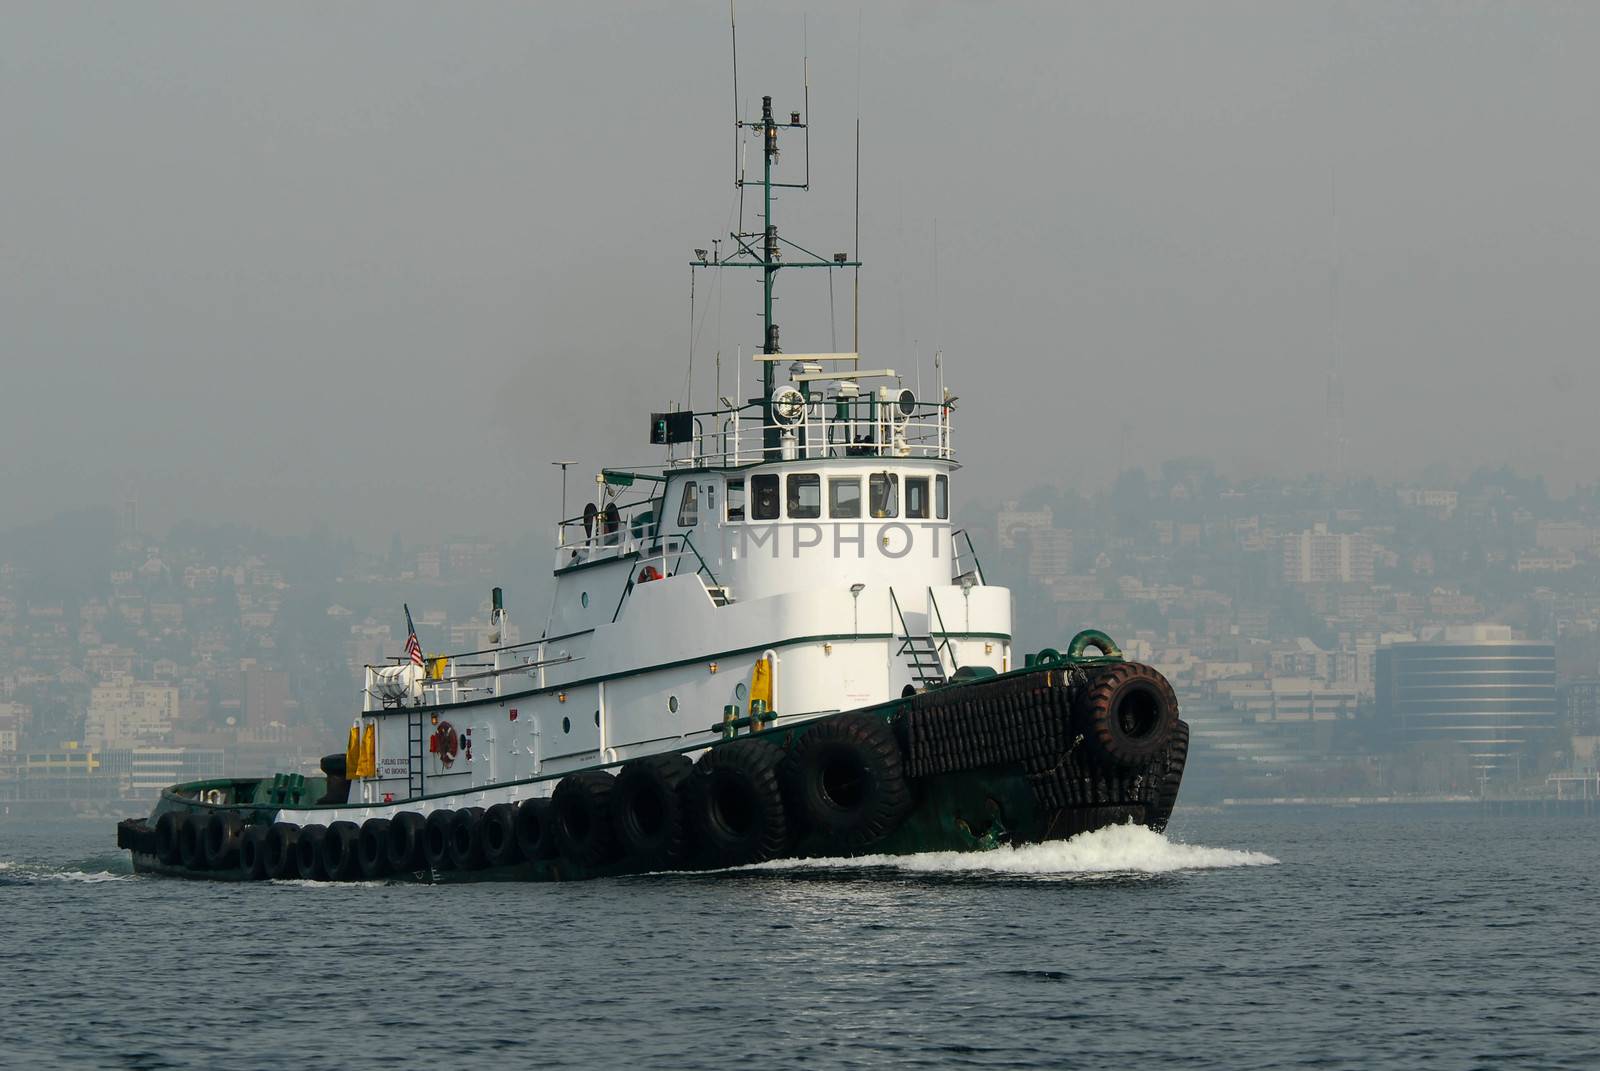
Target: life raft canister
649,573
444,743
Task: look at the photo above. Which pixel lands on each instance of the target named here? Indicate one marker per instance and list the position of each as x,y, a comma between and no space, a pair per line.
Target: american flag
413,648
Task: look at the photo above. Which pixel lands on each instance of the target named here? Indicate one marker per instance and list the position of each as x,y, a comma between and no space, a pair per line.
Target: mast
766,253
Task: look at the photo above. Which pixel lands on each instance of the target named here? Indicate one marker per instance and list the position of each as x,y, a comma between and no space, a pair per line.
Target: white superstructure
835,561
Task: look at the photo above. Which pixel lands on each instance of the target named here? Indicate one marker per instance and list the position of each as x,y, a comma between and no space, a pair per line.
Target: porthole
741,693
672,703
583,598
566,725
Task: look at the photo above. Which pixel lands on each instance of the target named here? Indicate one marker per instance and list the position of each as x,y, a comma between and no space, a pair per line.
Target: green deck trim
710,657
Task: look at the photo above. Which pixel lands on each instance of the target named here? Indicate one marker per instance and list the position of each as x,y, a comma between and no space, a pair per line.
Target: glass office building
1487,696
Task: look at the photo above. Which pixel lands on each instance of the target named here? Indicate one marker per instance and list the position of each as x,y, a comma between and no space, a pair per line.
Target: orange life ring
649,573
445,743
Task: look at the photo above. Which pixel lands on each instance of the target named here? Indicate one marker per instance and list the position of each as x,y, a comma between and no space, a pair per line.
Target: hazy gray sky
379,263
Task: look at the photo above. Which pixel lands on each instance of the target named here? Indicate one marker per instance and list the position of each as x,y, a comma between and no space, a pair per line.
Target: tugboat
773,644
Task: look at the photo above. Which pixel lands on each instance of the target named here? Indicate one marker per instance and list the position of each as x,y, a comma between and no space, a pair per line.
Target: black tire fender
580,810
253,853
498,832
308,852
737,810
372,848
407,851
282,855
1127,714
466,840
845,781
192,842
650,811
536,834
223,831
436,839
168,826
339,851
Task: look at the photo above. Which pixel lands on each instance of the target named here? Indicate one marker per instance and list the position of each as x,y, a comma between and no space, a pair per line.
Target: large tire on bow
192,842
499,834
253,853
466,840
407,851
372,849
436,839
580,811
736,804
845,782
649,811
1127,714
339,851
1171,779
168,827
308,852
536,831
220,840
282,851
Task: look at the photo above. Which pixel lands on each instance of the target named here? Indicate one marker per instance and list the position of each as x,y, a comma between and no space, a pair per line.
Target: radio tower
1335,445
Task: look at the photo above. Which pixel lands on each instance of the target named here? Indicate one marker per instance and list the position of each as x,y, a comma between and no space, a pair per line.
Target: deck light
561,697
712,667
840,258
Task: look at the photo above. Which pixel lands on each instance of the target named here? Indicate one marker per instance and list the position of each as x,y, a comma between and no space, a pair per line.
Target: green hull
1002,760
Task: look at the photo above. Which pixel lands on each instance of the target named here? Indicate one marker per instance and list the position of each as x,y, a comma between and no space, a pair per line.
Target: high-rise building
1474,686
127,713
266,696
1318,556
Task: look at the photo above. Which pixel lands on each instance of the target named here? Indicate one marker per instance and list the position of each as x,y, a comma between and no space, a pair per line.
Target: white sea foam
32,872
1116,850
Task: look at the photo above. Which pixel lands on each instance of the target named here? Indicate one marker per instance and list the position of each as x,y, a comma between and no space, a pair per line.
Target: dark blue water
1395,938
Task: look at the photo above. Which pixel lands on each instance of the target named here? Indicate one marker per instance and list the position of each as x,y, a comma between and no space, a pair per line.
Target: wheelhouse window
883,494
917,498
805,496
735,499
764,492
689,511
941,497
844,496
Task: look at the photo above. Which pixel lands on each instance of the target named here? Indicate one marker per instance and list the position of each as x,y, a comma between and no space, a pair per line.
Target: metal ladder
920,652
922,658
416,754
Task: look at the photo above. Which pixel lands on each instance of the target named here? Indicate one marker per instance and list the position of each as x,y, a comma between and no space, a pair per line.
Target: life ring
1127,714
649,573
846,779
445,743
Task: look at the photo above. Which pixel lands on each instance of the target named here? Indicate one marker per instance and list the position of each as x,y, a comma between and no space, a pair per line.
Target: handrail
977,566
944,644
688,542
905,630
